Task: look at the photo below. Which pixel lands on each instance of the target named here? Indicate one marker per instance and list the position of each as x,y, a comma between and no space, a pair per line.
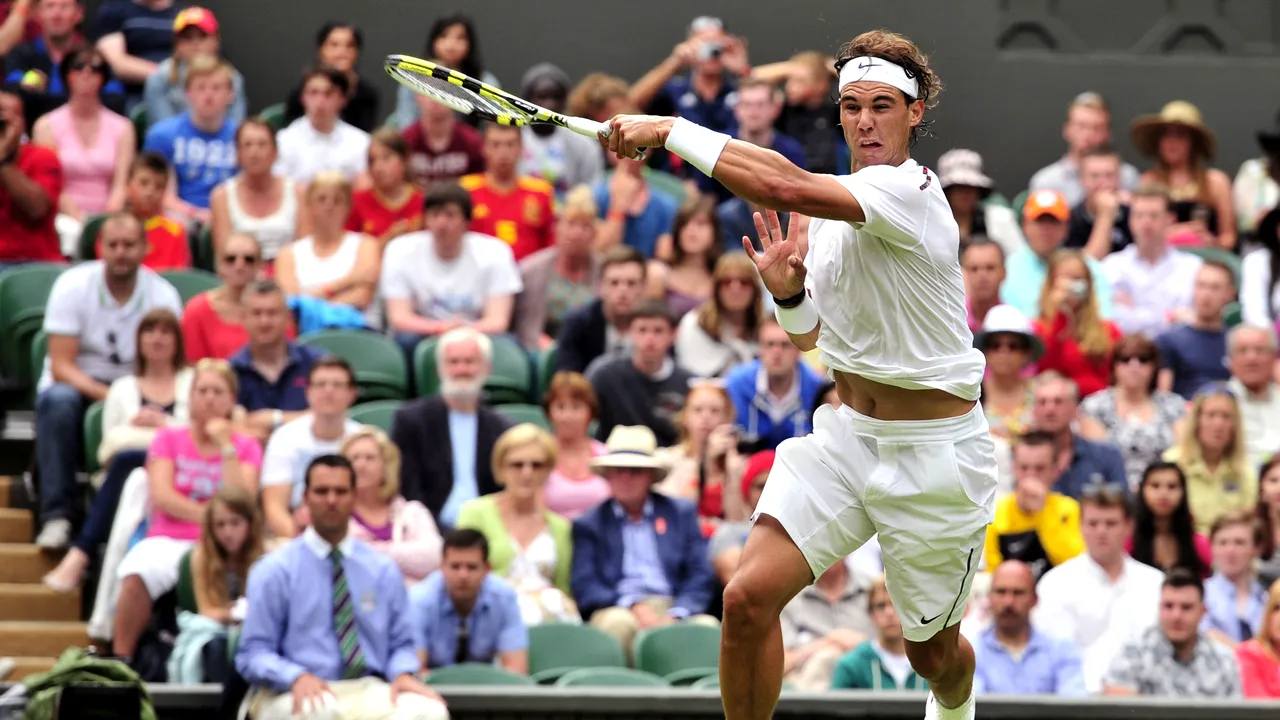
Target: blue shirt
494,625
1092,463
642,572
678,97
200,160
642,231
288,628
463,431
287,393
1221,609
1048,666
148,33
1024,280
1196,357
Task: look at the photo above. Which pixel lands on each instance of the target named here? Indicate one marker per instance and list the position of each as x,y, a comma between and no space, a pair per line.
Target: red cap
196,17
1046,202
761,462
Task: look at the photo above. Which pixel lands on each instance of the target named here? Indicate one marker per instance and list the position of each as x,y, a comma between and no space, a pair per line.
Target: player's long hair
899,50
711,313
210,561
1091,333
1180,525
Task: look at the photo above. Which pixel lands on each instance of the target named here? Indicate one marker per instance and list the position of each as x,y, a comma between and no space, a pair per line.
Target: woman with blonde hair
706,461
1181,145
1212,454
529,545
561,278
1259,658
573,487
1077,342
332,263
400,529
721,333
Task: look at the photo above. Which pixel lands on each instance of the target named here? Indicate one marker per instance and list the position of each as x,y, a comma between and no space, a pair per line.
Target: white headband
873,69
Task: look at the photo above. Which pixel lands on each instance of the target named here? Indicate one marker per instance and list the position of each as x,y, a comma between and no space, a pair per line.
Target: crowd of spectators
1131,382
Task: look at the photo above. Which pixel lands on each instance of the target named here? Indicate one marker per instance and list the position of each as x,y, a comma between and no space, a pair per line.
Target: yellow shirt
1212,493
1043,540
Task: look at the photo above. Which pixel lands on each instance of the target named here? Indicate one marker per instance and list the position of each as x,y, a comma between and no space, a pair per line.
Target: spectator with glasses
1234,598
92,320
214,322
721,333
1010,346
1212,454
555,154
338,46
1139,419
258,201
1164,535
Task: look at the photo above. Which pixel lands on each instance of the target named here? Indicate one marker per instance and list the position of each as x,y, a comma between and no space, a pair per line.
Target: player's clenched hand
781,257
628,134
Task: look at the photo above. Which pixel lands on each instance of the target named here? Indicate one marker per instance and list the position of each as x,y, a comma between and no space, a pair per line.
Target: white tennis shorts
927,487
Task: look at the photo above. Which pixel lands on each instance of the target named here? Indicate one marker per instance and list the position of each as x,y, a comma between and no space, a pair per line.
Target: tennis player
876,287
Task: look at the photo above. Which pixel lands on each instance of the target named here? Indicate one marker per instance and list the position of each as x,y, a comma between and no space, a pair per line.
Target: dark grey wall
1010,65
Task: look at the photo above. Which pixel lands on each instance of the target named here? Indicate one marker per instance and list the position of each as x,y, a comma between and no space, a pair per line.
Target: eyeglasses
1144,359
527,464
1010,344
246,259
113,340
100,68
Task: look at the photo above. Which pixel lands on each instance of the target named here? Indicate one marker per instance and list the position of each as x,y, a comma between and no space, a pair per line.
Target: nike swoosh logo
926,622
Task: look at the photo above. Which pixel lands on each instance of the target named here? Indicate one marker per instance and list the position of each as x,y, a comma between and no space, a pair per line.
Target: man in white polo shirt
92,322
321,140
331,389
1101,597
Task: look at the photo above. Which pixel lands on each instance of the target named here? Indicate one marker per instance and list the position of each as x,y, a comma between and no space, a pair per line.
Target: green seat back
673,648
524,413
186,588
200,243
996,198
273,115
475,674
1020,200
510,378
378,414
1231,260
546,369
710,682
92,436
138,116
379,363
667,184
190,283
609,677
557,648
24,292
88,247
1232,315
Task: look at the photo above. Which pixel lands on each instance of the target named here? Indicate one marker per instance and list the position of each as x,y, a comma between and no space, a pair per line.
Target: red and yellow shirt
523,217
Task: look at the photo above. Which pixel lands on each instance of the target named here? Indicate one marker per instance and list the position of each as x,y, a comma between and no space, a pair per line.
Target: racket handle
593,129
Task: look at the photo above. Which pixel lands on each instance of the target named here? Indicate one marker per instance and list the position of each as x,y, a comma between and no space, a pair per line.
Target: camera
710,50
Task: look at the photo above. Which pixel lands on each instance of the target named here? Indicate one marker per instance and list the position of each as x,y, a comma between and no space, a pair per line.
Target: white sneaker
55,535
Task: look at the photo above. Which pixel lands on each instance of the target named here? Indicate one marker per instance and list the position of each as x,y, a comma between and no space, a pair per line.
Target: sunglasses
739,281
246,259
527,465
1015,345
1144,359
100,68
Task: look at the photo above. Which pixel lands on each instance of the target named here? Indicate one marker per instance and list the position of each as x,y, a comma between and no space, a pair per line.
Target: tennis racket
467,95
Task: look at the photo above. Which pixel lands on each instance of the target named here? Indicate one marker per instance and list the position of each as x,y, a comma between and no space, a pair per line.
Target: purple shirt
379,533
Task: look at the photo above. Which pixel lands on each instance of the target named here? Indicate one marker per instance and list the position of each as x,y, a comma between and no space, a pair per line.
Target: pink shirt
571,498
1259,671
194,475
87,171
415,541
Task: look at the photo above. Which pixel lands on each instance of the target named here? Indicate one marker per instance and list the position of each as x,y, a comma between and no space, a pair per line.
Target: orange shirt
523,218
167,247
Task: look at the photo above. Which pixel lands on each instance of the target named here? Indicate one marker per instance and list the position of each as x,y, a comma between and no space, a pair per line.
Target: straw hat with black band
631,446
1147,130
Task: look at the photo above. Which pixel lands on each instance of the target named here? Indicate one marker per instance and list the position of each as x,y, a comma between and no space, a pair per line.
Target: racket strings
460,98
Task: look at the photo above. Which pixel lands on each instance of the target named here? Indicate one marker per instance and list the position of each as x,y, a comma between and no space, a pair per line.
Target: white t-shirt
81,306
889,290
291,448
305,152
444,289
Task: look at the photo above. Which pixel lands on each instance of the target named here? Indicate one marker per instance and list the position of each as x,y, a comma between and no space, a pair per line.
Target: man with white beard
446,440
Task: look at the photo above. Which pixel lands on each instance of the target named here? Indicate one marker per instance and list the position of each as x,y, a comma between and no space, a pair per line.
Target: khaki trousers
621,623
363,699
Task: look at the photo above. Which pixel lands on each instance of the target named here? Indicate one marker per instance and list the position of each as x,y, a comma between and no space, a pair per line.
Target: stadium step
25,666
15,526
41,639
24,563
6,486
37,602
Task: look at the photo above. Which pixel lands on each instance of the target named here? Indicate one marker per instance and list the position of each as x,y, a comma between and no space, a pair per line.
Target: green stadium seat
1232,315
378,361
378,414
273,115
87,249
92,436
186,587
190,283
710,682
475,674
510,380
138,116
200,243
524,413
39,351
996,198
1229,259
609,677
1018,201
679,653
546,369
557,648
24,292
667,184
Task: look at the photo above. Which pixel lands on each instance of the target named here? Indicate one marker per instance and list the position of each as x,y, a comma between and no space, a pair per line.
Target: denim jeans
59,437
97,526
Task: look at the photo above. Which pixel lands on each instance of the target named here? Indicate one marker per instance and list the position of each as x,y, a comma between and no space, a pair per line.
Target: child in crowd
392,206
167,247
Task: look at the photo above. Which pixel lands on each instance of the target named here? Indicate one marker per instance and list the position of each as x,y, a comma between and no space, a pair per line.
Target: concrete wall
1010,65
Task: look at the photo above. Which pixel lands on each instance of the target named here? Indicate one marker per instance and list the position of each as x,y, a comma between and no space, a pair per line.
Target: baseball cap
1046,202
196,17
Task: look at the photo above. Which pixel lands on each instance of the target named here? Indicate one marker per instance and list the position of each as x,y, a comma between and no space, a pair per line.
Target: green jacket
861,669
74,667
482,514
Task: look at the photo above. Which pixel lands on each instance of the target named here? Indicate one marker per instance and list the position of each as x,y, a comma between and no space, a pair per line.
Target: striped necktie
344,622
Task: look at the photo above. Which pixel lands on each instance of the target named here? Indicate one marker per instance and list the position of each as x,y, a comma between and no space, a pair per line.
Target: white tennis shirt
889,290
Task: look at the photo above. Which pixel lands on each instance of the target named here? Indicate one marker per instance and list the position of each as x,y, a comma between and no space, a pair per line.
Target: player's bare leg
771,572
946,661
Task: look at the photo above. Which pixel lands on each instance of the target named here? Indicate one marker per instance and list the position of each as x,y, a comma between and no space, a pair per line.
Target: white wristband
799,319
700,146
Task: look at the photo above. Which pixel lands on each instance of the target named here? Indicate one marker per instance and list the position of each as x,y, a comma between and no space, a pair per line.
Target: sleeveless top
682,304
87,171
273,231
314,271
